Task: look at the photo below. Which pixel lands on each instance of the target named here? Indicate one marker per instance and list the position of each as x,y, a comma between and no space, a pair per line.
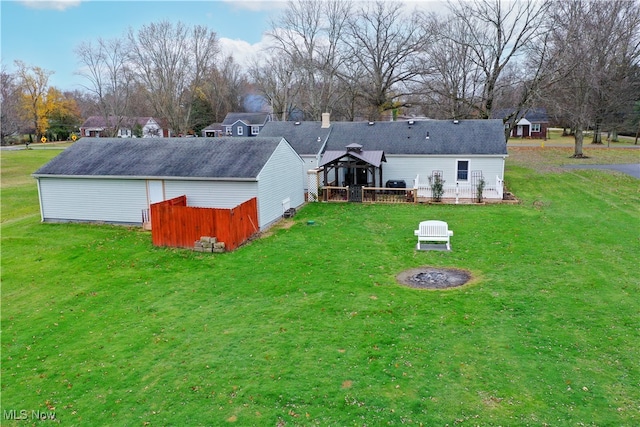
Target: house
460,151
244,124
108,180
148,127
531,124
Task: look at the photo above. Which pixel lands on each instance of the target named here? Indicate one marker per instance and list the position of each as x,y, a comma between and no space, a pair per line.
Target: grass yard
307,326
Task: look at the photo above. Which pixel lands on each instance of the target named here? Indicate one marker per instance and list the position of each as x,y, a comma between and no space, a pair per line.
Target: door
355,193
155,191
361,176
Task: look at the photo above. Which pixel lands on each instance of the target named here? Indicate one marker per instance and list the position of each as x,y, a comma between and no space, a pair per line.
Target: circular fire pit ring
433,277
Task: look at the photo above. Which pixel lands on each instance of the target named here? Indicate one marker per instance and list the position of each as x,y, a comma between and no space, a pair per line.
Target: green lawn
307,325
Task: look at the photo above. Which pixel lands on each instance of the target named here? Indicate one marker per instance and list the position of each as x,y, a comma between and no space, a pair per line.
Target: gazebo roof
374,158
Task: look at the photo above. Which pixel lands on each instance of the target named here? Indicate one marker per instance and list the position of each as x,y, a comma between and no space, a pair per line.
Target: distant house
97,126
460,151
532,124
108,180
244,124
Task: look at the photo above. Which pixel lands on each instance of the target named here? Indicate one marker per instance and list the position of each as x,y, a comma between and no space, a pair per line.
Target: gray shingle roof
220,158
99,121
306,138
534,115
445,137
248,118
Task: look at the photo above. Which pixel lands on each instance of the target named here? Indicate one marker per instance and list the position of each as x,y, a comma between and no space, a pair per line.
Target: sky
45,33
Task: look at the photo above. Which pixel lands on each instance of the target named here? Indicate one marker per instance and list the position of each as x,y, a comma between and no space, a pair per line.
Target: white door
155,191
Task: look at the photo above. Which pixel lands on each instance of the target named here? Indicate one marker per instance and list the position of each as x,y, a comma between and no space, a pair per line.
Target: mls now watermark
23,414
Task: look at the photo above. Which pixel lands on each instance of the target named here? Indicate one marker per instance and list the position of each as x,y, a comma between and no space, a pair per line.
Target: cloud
244,53
51,4
256,5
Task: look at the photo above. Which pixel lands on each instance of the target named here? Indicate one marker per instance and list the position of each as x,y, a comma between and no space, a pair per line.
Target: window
240,130
535,127
255,130
228,130
463,170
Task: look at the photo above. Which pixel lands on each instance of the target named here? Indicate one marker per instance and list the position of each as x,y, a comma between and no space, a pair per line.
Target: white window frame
458,170
255,130
240,130
535,127
228,130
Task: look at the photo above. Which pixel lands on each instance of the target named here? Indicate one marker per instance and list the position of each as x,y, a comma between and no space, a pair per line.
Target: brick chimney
325,120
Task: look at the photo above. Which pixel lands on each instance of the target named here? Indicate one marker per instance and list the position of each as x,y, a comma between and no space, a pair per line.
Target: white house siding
279,179
212,194
408,167
85,199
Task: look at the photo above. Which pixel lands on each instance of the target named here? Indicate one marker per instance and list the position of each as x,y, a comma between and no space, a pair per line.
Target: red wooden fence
175,224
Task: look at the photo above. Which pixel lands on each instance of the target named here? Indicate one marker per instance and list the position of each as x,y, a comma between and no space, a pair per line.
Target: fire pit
433,277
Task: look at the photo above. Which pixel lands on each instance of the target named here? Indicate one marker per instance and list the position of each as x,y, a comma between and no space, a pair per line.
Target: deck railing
369,194
461,191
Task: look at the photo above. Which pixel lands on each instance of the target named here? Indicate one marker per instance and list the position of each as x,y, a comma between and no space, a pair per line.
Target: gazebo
353,167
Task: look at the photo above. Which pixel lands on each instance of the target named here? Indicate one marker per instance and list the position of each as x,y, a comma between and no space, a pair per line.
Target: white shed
113,180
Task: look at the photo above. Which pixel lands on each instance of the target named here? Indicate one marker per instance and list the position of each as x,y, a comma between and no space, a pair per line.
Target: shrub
479,189
437,187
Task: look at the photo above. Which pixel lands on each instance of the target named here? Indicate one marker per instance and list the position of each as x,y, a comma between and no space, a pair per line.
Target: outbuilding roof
214,158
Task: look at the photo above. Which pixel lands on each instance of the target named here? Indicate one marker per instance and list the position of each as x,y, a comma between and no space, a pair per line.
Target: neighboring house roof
533,115
100,122
214,126
307,138
419,137
247,118
222,158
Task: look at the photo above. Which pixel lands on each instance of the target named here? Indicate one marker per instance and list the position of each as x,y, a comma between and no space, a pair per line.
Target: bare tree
450,81
384,43
105,66
593,60
309,35
172,61
616,84
223,88
10,122
495,33
274,77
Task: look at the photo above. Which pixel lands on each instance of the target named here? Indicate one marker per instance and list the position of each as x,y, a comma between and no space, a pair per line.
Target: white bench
433,231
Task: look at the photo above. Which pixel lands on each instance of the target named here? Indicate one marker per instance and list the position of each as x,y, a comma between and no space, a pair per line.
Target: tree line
362,61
